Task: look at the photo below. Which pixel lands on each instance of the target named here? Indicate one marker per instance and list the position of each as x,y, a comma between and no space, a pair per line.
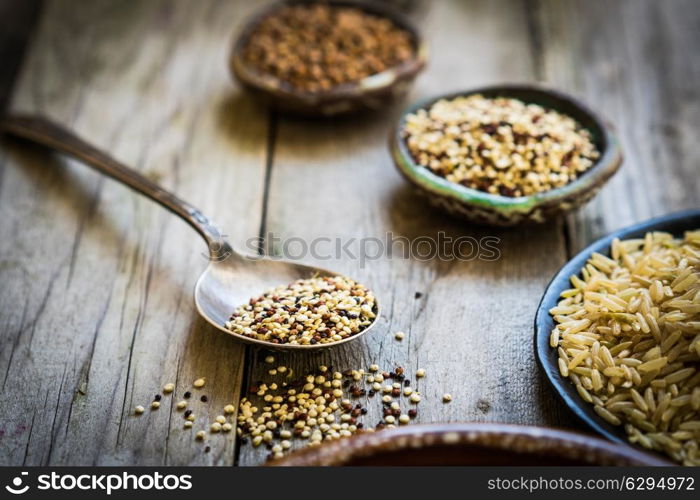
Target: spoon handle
43,131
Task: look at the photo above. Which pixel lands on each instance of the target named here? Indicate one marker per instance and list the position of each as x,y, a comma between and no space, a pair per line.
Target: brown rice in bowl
628,337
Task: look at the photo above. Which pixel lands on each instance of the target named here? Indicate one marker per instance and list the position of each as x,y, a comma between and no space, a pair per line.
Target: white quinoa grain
215,427
447,398
200,435
155,405
229,409
399,335
199,383
415,398
181,405
221,419
420,373
404,419
269,359
168,388
373,368
226,427
188,424
139,410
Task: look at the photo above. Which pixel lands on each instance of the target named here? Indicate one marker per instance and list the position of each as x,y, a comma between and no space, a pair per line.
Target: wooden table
96,310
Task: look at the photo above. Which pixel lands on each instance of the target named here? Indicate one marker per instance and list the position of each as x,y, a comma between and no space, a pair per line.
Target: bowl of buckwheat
505,155
318,58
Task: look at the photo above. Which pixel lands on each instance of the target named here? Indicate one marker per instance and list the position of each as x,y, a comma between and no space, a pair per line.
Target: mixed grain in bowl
505,155
499,145
315,47
323,59
628,337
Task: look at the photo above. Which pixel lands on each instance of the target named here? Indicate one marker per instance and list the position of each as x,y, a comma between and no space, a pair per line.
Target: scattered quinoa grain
420,373
188,425
139,410
269,359
199,383
215,427
404,419
415,398
181,405
155,405
447,398
226,427
200,435
399,335
229,409
220,419
168,388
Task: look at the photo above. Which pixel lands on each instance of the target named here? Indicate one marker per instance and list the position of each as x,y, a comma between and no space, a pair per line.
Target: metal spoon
230,279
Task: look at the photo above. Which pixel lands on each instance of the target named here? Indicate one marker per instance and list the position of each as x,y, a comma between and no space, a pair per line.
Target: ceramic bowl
485,208
547,357
372,92
468,444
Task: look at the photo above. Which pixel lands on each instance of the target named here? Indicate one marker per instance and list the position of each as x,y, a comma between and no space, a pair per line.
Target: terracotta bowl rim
461,434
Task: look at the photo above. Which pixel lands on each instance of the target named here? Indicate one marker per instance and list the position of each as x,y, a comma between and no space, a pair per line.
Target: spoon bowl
230,279
226,284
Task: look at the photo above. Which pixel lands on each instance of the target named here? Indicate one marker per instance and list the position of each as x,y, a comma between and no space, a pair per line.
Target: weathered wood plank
637,62
96,308
471,328
17,21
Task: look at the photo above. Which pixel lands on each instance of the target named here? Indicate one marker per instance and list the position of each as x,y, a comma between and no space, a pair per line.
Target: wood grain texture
638,63
97,313
471,328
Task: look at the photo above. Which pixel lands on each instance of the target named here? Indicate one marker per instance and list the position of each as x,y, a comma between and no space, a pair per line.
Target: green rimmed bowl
370,93
485,208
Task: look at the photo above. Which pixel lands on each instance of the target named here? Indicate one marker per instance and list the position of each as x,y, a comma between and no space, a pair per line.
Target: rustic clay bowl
484,208
469,444
547,357
372,92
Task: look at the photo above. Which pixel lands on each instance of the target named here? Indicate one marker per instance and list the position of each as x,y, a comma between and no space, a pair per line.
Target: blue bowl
547,357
